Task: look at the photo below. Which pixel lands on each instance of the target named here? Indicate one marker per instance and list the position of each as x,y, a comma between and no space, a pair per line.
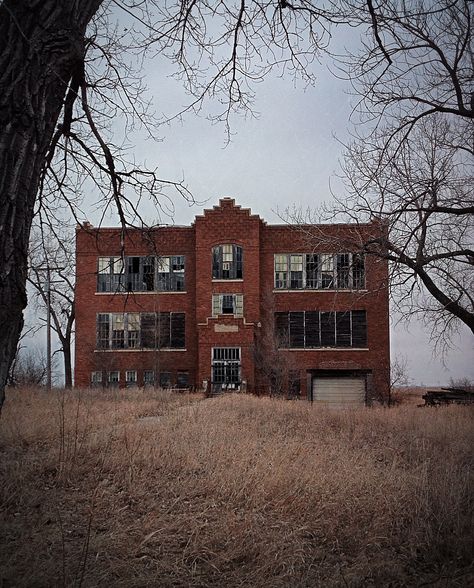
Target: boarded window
359,328
177,336
343,329
312,338
282,329
296,321
313,329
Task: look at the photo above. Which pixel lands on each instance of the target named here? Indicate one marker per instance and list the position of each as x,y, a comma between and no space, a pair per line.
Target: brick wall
230,224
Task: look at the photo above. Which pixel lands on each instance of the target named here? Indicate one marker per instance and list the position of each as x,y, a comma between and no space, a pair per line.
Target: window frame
319,271
335,329
234,260
166,330
141,273
237,304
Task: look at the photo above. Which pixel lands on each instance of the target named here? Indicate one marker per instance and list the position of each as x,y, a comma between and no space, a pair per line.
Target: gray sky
287,155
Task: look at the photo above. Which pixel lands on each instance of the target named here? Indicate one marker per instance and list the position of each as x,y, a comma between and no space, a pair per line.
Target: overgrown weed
235,491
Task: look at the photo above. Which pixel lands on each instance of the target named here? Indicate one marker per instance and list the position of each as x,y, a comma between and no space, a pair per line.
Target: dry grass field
234,491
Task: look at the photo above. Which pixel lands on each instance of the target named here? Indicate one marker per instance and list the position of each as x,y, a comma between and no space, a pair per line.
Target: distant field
234,491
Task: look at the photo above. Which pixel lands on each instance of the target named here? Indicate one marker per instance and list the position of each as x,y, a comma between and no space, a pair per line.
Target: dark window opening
316,329
146,330
165,380
182,380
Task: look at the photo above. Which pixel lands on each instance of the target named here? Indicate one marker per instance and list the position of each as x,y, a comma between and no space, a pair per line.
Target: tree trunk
67,366
41,44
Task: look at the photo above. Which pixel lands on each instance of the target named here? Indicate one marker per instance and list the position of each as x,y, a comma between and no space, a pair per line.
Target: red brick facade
260,243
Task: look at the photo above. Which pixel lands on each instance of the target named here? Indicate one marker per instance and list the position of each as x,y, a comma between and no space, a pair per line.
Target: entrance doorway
226,369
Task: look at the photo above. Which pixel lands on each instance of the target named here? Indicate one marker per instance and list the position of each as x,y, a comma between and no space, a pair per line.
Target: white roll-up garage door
339,392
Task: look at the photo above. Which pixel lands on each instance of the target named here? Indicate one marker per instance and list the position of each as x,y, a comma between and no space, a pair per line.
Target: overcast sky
287,155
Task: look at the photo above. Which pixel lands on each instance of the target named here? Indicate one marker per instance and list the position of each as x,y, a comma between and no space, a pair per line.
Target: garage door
339,392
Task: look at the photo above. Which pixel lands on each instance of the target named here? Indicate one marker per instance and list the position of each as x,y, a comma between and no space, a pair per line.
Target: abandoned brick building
232,303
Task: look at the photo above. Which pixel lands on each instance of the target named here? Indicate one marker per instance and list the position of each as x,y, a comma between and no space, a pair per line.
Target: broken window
171,273
141,274
358,271
109,274
312,265
327,270
312,337
281,271
133,328
343,270
228,304
282,329
296,271
227,262
147,330
118,331
343,329
319,271
103,331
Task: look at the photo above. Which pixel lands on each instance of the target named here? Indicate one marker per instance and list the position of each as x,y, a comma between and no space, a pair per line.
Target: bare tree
51,274
411,161
68,70
28,368
276,370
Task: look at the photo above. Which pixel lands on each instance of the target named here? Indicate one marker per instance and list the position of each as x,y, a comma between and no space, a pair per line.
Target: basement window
96,379
148,378
131,378
113,379
182,380
165,380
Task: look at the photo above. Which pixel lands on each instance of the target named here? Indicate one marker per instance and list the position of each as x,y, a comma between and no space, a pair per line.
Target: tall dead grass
235,491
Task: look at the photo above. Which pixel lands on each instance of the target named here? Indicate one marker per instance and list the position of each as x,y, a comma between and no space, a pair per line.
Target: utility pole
47,268
48,328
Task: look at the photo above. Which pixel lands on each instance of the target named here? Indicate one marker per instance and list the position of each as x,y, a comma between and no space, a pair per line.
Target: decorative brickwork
250,331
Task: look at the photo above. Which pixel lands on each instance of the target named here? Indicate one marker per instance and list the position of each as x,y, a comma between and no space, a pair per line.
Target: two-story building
232,303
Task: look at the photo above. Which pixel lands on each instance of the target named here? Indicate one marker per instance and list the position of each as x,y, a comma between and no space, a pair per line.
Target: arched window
227,262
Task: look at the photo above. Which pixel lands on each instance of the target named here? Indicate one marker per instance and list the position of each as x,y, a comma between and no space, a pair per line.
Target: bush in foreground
235,491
